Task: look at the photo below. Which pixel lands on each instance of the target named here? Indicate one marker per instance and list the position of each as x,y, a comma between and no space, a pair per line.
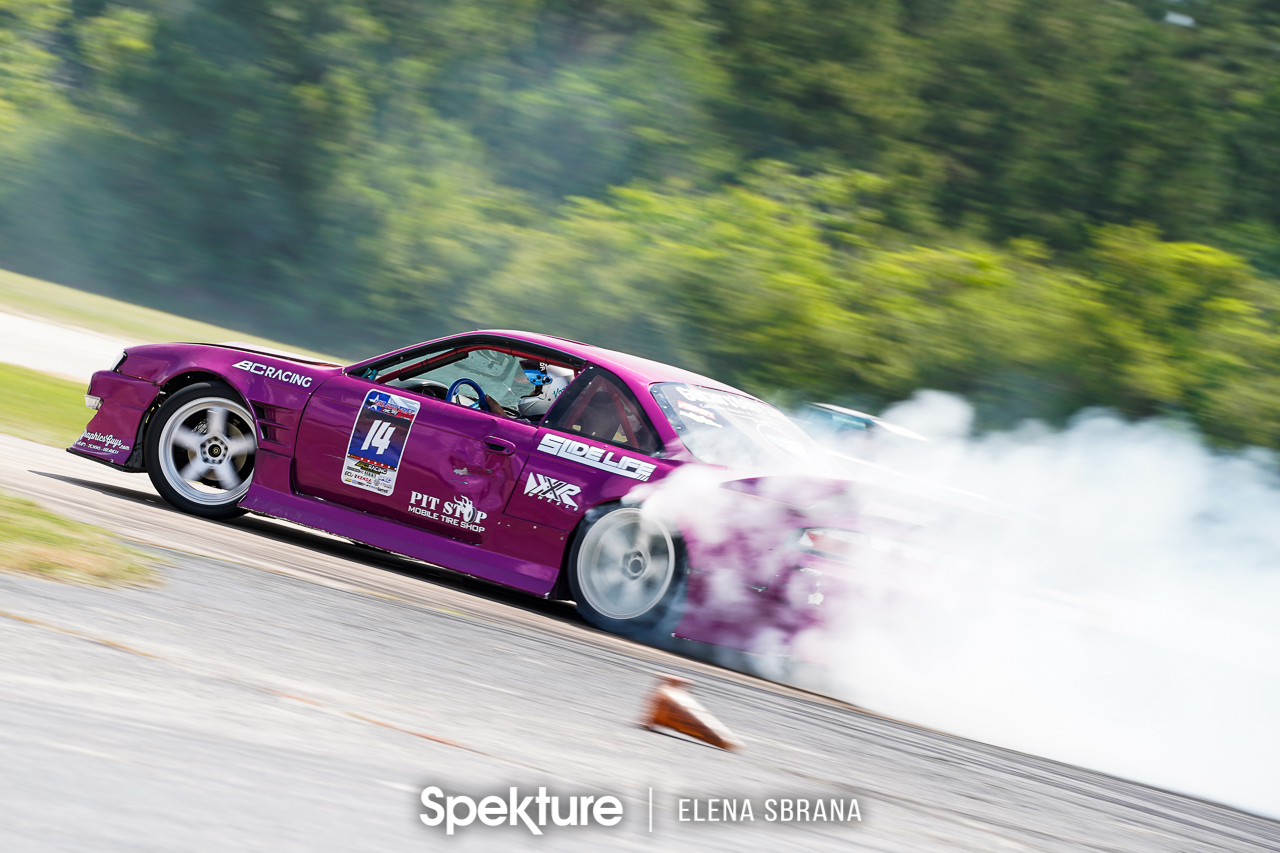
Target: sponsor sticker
459,512
552,490
596,457
377,441
274,373
698,413
100,443
731,404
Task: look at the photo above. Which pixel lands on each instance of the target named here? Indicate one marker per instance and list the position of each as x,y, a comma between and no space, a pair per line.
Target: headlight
832,541
845,544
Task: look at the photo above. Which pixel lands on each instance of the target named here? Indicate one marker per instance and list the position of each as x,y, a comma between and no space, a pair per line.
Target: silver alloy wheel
626,564
207,449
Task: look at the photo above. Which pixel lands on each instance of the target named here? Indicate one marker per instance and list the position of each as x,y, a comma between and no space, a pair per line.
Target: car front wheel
200,450
627,573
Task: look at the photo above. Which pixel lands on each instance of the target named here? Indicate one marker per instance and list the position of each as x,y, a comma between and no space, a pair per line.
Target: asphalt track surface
285,690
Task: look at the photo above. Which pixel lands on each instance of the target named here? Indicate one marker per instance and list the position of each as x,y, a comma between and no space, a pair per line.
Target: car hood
278,353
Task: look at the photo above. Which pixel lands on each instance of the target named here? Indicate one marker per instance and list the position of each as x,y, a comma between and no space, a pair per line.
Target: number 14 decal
379,437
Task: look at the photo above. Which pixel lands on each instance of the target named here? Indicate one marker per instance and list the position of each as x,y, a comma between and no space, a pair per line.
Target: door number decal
377,441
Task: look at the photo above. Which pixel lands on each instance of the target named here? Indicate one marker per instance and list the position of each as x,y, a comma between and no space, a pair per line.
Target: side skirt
391,536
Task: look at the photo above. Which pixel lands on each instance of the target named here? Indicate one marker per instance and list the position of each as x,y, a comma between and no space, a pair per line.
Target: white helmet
560,378
550,381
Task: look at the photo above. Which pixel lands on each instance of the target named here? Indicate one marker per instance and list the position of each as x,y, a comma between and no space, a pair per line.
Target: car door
409,457
596,446
462,470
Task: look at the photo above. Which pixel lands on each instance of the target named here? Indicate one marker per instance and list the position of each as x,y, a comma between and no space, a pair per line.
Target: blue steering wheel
481,400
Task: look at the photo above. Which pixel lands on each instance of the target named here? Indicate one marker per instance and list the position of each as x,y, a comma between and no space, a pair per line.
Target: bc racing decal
595,457
274,373
377,441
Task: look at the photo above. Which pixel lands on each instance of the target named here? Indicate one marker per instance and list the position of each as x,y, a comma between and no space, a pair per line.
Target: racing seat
600,418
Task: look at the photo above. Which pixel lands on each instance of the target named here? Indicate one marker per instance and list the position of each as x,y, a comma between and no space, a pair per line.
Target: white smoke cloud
1115,604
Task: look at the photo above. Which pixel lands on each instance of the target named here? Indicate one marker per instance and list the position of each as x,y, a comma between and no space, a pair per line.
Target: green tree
1050,117
1188,328
592,95
30,101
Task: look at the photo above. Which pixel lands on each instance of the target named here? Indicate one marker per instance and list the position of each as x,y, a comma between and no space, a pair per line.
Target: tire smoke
1117,608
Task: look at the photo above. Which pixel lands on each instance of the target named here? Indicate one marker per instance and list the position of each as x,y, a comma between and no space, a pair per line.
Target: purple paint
488,496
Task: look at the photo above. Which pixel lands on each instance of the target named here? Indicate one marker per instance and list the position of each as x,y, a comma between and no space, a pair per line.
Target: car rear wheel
200,450
627,573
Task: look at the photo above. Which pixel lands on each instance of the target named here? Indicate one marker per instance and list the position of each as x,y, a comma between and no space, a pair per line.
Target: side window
598,406
495,372
498,373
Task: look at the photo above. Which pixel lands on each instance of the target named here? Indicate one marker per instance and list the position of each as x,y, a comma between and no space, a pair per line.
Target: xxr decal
549,489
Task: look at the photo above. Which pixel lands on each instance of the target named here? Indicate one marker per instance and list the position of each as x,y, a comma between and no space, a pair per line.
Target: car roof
643,371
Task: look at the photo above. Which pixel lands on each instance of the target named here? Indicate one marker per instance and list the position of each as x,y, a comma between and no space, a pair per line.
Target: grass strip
41,408
20,294
38,542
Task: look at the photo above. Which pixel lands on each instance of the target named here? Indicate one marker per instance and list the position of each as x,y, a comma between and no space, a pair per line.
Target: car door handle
499,445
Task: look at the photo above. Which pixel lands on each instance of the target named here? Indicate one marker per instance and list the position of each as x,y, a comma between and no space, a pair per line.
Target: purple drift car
517,458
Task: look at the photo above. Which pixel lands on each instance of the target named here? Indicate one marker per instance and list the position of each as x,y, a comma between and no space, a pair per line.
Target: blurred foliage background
1041,204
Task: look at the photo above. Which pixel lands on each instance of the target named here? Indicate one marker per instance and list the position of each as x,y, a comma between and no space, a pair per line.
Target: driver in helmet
548,381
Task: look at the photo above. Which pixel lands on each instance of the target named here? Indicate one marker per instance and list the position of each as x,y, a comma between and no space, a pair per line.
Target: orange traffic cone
672,707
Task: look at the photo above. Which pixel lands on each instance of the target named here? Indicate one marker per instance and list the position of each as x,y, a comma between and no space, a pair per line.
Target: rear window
720,428
601,408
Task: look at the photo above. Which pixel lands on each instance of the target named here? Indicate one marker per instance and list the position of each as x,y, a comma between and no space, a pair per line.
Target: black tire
200,449
622,546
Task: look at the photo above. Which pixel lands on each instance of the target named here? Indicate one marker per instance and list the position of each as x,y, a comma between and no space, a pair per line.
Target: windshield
720,428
